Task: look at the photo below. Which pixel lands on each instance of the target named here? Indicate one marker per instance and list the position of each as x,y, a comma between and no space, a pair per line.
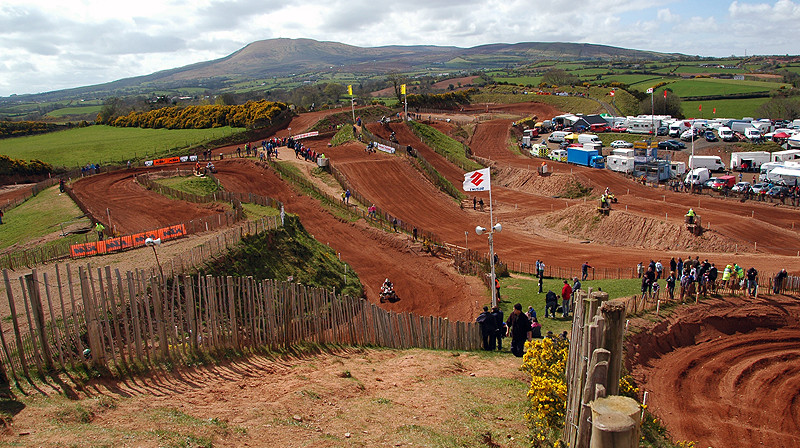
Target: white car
741,187
621,144
687,135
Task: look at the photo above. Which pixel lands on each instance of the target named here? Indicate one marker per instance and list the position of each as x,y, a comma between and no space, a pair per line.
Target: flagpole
491,249
652,112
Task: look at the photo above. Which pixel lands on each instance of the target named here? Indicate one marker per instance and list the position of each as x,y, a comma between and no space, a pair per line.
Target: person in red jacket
566,295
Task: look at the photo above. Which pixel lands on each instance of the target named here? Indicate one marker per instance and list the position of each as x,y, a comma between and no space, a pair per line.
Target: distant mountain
281,57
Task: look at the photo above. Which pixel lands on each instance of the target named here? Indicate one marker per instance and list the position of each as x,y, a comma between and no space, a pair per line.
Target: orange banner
125,242
166,161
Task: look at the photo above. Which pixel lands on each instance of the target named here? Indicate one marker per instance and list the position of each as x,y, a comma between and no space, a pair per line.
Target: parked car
662,130
679,143
710,182
599,127
621,144
741,187
778,191
618,129
690,134
668,144
760,188
710,136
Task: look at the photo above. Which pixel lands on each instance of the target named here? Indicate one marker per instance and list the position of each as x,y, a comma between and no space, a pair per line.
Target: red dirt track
724,373
134,208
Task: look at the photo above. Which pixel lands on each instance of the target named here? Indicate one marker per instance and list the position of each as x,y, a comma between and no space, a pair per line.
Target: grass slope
289,252
194,185
37,217
103,144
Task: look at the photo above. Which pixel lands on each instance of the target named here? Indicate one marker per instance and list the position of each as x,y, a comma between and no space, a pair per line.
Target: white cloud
53,45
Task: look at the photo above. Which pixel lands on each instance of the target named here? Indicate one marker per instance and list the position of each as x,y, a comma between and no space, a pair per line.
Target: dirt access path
346,398
725,372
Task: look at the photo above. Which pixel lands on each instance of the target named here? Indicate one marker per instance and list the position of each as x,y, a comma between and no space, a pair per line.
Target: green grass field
37,217
521,80
524,289
736,108
103,144
635,80
686,88
77,110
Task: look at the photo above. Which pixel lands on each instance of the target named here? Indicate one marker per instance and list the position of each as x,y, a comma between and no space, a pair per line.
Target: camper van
557,136
697,176
752,134
625,152
641,126
726,134
589,138
713,163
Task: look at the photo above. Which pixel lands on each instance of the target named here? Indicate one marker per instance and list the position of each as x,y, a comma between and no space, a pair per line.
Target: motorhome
641,126
766,168
678,168
785,175
749,160
676,128
625,152
783,156
713,163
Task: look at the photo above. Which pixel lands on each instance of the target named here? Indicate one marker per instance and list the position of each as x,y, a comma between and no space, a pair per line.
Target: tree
558,77
397,80
661,106
780,108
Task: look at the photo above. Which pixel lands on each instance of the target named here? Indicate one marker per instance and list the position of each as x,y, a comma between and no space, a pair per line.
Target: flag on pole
665,93
350,89
402,89
612,93
650,90
700,108
714,111
477,180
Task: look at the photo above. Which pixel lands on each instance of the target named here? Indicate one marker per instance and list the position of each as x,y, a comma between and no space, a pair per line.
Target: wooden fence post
18,336
615,422
34,296
614,315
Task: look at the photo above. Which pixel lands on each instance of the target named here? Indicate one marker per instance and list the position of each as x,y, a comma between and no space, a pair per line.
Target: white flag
477,180
650,90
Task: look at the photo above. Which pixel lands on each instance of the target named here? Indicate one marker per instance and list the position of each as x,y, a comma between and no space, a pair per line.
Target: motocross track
724,373
134,208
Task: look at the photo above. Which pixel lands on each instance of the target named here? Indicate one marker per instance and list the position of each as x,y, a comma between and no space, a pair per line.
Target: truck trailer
585,157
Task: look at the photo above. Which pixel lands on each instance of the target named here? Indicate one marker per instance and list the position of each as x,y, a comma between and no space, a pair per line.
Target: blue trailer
585,157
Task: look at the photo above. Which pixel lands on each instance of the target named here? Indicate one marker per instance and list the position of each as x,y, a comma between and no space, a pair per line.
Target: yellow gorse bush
545,360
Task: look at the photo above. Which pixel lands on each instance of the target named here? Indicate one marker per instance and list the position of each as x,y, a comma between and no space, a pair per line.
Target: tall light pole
495,229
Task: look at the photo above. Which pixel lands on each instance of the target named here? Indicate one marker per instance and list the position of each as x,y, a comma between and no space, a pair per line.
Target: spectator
497,313
566,296
520,330
639,270
752,281
659,270
671,285
584,271
778,283
536,329
550,304
1,216
488,327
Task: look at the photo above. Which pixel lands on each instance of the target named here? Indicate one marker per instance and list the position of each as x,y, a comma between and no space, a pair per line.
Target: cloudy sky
50,45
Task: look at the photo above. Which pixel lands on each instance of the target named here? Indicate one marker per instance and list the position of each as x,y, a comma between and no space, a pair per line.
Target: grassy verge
289,252
39,216
259,211
502,94
344,135
103,144
444,145
524,289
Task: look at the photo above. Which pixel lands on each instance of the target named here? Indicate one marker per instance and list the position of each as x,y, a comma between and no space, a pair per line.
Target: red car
620,129
599,128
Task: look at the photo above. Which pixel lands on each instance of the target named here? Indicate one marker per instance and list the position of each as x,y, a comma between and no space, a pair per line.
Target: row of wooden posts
597,416
141,317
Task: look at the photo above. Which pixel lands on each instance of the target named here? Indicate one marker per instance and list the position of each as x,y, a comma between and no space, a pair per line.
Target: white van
557,136
559,155
676,128
589,138
713,163
697,176
726,134
752,133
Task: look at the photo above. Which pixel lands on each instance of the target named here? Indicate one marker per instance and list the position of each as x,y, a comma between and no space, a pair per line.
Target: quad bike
210,168
388,294
393,137
611,198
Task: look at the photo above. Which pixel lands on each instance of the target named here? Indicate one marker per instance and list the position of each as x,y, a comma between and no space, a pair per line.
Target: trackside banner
384,148
478,180
306,135
125,242
170,160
